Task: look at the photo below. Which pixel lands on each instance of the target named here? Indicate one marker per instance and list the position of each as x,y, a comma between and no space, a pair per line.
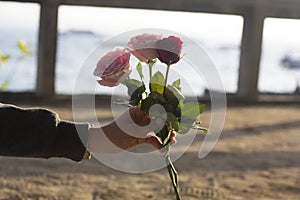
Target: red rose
144,46
113,67
169,50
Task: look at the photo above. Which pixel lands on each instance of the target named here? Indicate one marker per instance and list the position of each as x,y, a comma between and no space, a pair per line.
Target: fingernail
173,141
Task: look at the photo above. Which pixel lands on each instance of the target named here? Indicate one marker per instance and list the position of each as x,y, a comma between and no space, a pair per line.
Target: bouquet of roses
179,116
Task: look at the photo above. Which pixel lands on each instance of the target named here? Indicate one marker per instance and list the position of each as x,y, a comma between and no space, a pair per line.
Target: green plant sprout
25,51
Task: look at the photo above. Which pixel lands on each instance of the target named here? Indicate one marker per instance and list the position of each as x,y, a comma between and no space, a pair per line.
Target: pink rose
144,46
169,50
113,67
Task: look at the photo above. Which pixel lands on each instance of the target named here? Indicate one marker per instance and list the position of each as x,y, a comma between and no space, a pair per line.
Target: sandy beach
257,157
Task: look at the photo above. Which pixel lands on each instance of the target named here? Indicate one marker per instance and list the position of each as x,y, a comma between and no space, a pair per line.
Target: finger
151,139
173,141
173,137
142,119
139,117
154,141
173,134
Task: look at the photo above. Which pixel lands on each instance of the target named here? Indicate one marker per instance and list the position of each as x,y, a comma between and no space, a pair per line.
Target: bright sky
113,21
116,20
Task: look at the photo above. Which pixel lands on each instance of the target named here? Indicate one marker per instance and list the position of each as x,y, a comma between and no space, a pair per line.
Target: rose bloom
144,46
169,50
113,68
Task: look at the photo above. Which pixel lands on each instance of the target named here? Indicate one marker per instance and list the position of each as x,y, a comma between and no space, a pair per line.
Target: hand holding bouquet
157,98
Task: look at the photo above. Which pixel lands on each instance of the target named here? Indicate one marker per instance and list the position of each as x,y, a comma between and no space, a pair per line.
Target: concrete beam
237,7
253,11
45,85
250,55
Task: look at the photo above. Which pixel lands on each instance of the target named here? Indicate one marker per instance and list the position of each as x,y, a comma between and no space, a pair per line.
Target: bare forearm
101,139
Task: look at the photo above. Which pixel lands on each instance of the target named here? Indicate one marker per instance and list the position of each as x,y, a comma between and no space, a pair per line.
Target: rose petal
113,67
169,50
144,46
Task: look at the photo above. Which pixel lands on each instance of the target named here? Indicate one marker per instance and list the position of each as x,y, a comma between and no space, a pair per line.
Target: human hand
133,127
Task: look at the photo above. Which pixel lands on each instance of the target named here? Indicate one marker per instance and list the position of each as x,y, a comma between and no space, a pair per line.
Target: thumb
142,119
151,139
139,117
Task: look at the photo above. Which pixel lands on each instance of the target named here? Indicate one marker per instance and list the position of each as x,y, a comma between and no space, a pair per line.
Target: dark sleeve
39,133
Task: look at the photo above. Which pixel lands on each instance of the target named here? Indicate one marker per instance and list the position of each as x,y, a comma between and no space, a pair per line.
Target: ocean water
74,48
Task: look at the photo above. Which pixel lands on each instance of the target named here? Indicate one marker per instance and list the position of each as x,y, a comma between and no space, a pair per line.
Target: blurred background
83,28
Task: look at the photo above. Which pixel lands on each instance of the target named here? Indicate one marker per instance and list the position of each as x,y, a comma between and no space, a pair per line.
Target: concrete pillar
250,55
45,85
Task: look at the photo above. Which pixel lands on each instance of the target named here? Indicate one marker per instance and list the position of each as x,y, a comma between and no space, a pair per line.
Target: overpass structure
253,12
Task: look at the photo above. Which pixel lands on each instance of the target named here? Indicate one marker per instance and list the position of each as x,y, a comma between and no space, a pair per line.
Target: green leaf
173,93
135,90
180,104
183,130
185,125
172,121
176,84
158,96
198,122
157,83
188,121
4,85
4,58
177,113
132,85
204,130
173,97
192,109
147,103
24,48
139,68
137,96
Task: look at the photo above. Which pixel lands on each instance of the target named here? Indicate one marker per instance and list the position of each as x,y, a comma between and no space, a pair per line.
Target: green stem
151,64
167,74
172,173
150,70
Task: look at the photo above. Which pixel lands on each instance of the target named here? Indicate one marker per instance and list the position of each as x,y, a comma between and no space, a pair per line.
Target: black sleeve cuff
71,140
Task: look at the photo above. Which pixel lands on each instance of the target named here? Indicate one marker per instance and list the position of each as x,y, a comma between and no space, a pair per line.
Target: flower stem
172,173
167,74
150,70
151,64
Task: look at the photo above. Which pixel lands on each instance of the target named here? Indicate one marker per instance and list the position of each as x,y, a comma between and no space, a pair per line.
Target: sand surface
257,157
